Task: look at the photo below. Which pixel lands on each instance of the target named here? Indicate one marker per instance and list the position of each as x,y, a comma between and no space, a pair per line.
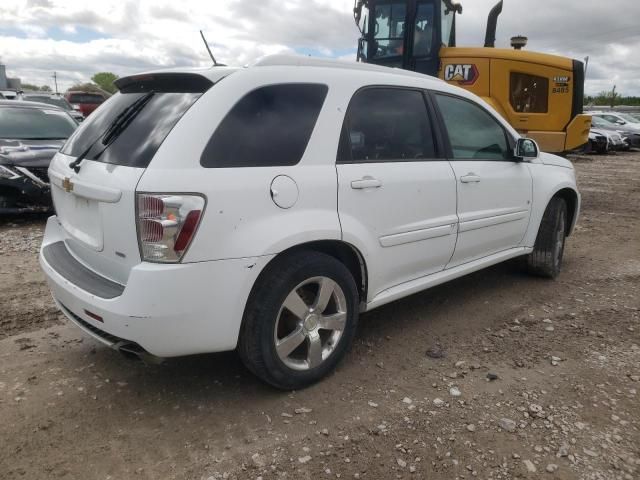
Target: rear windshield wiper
119,124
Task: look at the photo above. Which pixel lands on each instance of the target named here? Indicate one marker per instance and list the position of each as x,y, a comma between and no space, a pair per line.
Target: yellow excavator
540,95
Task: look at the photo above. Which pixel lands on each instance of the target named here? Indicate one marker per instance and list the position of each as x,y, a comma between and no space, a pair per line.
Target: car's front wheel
546,258
300,320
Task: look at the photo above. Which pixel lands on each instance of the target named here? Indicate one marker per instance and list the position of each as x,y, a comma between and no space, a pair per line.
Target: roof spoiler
492,24
165,82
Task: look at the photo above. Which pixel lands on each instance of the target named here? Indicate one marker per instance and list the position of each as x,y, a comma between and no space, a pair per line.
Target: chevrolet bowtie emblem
67,184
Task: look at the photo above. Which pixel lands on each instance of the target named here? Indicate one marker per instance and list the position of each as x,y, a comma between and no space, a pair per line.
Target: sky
78,38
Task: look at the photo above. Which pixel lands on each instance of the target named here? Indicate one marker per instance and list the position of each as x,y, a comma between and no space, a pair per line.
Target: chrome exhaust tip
133,351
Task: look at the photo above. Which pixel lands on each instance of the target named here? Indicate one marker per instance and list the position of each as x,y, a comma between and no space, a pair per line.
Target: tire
546,258
274,314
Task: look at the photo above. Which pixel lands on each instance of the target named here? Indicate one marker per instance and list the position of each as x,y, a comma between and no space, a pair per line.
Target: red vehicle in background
84,102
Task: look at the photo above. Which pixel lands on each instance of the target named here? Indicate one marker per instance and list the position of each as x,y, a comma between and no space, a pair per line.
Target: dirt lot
565,403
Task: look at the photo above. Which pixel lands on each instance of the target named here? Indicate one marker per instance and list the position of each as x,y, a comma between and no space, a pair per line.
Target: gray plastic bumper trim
59,258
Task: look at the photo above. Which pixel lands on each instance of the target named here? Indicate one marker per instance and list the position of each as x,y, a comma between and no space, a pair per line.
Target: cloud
77,40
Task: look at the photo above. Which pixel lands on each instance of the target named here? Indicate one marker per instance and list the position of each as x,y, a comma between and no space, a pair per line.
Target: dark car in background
53,99
30,135
631,136
84,102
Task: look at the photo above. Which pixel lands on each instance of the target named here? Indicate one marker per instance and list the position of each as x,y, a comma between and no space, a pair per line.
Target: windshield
389,29
601,122
628,118
35,124
58,102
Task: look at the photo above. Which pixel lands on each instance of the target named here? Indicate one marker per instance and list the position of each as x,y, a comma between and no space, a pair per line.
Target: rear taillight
167,224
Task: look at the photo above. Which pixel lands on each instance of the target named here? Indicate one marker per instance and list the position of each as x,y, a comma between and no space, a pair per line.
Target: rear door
494,190
94,177
396,194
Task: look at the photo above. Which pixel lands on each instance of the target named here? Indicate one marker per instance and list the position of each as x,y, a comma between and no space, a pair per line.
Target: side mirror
621,122
526,149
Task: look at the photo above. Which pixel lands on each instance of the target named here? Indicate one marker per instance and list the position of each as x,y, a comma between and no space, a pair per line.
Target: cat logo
464,74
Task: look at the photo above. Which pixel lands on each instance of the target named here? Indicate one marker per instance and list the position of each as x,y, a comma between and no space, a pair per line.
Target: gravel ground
496,376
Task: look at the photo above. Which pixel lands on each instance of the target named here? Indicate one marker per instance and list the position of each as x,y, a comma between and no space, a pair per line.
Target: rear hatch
94,176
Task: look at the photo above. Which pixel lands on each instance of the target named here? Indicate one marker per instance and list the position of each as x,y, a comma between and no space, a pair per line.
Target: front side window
268,127
389,29
387,124
423,33
612,119
529,93
473,133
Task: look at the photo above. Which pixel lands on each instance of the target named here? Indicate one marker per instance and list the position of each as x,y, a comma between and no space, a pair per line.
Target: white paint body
420,227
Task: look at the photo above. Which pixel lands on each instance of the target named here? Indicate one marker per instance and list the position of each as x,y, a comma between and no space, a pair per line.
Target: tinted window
90,98
389,29
473,132
270,126
529,93
388,124
33,123
140,140
423,34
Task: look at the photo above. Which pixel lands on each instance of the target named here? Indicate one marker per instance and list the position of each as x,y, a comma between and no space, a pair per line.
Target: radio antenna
215,64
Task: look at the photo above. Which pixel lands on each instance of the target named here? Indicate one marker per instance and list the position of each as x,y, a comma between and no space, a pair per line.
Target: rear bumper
169,310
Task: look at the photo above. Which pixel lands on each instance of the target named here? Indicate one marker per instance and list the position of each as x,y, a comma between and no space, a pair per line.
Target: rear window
91,98
57,101
136,145
35,124
270,126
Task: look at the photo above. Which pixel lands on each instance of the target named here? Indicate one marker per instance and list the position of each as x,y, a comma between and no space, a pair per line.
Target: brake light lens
167,224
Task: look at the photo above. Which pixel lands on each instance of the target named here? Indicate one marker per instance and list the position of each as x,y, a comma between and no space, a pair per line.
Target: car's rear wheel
300,320
546,258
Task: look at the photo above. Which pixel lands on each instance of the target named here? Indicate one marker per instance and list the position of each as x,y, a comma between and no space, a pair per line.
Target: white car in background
619,118
265,208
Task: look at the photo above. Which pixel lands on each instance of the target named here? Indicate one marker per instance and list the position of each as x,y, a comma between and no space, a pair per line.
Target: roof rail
281,60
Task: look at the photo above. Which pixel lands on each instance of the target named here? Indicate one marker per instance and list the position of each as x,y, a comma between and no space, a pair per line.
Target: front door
396,194
494,190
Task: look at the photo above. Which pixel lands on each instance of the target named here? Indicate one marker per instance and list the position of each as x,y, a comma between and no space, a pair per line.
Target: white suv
264,208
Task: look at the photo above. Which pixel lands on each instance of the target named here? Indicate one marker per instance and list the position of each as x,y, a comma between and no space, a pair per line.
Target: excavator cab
406,34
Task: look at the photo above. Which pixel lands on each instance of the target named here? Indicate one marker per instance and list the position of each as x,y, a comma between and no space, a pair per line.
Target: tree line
611,98
101,82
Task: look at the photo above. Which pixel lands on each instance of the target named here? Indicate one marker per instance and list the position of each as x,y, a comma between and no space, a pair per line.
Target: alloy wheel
310,323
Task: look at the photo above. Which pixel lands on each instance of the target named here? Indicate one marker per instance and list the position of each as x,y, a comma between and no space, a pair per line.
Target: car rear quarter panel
241,218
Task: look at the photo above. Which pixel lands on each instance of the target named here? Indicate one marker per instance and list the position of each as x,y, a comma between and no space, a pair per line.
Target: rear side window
270,126
473,133
387,124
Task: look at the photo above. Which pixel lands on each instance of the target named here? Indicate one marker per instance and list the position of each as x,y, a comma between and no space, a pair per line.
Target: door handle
470,178
366,182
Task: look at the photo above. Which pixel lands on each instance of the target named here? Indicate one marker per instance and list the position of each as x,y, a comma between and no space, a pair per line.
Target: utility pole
55,79
613,97
586,65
